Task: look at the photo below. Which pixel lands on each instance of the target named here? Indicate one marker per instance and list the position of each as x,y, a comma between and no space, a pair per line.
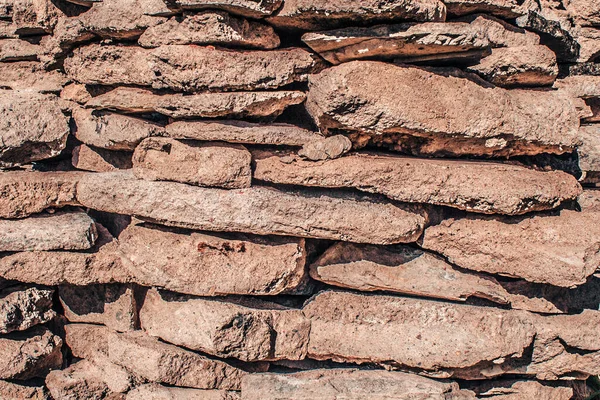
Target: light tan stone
326,148
16,391
23,307
34,17
500,33
474,186
100,160
205,105
77,93
18,50
247,8
212,28
589,150
529,390
29,75
587,13
583,86
259,210
158,392
88,341
435,114
250,330
561,250
209,164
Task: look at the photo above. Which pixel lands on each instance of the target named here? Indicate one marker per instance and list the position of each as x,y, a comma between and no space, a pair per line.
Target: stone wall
299,199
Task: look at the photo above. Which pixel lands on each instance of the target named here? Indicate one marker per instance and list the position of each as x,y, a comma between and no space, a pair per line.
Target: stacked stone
324,199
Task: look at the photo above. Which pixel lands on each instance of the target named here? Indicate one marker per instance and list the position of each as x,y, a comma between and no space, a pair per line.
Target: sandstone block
584,86
219,265
29,75
18,50
473,186
500,33
171,365
99,160
112,305
589,152
30,354
405,41
205,105
34,17
159,392
561,250
211,28
529,390
258,210
414,333
26,193
112,131
33,127
560,40
189,68
249,330
585,12
242,132
518,66
87,341
349,384
201,164
434,114
326,148
501,8
15,391
24,307
324,14
59,231
247,8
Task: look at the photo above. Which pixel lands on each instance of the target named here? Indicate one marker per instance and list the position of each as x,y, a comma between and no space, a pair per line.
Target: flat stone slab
29,75
474,186
206,105
209,164
33,127
258,210
27,391
211,28
247,8
249,330
23,307
18,50
189,68
406,41
158,392
59,231
349,384
424,113
87,158
500,8
589,152
560,250
313,15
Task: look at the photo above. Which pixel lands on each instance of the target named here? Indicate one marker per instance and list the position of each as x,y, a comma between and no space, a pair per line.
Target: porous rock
23,307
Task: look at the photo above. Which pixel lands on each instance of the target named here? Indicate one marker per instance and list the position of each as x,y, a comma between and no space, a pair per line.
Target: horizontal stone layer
248,8
159,392
29,75
100,160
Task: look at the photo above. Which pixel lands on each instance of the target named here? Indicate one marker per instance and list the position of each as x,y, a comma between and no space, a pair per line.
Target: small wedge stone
100,160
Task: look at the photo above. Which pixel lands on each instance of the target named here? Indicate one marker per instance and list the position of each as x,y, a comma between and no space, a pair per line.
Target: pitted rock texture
23,307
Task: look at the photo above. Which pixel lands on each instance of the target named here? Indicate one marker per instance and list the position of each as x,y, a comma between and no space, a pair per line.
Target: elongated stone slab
171,365
112,131
247,8
33,127
414,333
434,114
242,132
99,160
189,68
474,186
528,390
60,231
206,105
501,34
404,41
584,86
26,193
202,164
18,50
213,28
349,384
258,210
30,354
501,8
251,330
206,265
323,14
24,307
28,75
158,392
561,250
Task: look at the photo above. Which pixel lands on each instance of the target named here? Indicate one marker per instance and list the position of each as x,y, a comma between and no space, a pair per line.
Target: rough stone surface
561,250
112,131
250,331
501,8
28,75
247,8
350,384
16,391
589,150
560,40
26,193
246,265
112,305
473,186
326,148
32,128
437,114
242,132
501,34
405,41
100,160
23,307
414,333
189,68
59,231
323,14
30,354
18,50
519,66
586,12
206,105
87,341
584,86
258,210
203,164
158,392
211,27
171,365
529,390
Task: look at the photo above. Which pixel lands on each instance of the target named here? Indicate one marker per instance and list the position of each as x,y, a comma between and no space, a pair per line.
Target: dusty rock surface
501,8
13,390
159,392
23,307
28,75
326,148
249,8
